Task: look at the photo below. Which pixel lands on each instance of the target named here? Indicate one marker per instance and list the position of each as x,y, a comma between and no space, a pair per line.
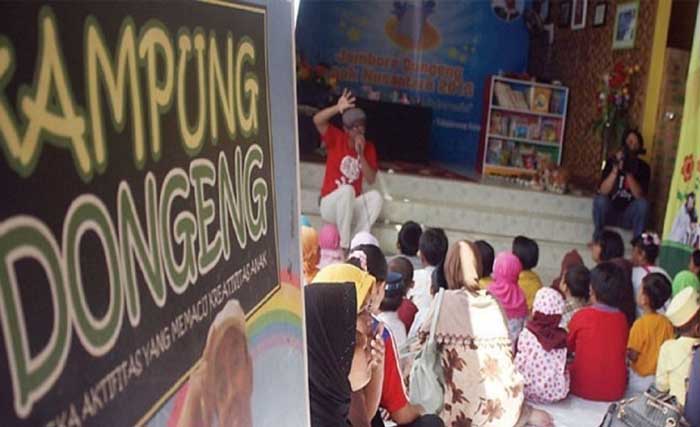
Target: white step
469,194
466,210
504,221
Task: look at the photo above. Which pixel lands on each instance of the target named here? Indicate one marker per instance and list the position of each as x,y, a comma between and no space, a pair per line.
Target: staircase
465,210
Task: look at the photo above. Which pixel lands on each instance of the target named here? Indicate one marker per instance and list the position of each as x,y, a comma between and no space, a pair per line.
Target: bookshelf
525,124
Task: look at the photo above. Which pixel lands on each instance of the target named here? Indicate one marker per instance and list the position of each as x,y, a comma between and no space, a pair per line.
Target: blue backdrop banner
436,53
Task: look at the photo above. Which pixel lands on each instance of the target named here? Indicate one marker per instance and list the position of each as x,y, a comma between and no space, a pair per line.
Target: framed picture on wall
626,18
565,14
600,13
578,16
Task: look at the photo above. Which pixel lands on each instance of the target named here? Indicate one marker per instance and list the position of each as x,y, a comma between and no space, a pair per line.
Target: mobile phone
375,328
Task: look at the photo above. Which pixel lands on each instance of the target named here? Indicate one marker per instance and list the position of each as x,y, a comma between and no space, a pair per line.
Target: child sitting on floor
645,250
506,291
487,256
541,356
598,340
432,249
675,357
694,264
407,242
648,332
576,286
329,242
684,279
528,253
407,310
393,295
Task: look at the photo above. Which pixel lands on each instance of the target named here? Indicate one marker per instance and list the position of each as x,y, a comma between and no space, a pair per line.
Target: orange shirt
646,336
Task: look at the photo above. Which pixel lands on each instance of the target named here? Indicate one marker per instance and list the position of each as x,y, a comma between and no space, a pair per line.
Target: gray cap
352,116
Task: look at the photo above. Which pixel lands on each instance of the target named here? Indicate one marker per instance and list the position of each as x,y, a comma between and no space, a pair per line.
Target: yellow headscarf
310,253
344,273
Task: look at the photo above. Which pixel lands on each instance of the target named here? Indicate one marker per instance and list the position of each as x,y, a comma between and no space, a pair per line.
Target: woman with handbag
468,331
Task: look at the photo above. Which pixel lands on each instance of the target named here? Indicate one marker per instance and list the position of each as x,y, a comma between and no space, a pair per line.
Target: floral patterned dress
547,379
482,386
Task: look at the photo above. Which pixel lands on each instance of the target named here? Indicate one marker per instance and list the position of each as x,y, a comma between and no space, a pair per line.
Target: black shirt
621,196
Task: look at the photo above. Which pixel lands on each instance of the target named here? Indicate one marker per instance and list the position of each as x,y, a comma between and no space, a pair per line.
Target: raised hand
346,100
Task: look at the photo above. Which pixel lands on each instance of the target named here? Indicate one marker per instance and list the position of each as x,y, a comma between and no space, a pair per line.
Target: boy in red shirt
394,399
598,339
350,159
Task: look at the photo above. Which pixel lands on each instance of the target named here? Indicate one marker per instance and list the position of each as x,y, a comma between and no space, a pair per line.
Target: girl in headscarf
364,238
329,242
506,270
367,368
310,253
685,279
541,356
331,315
481,382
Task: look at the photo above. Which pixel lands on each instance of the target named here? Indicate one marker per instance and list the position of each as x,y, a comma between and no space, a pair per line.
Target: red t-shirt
598,337
393,391
342,163
407,312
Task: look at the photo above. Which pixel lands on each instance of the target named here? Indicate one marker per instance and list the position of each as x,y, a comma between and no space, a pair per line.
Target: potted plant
614,99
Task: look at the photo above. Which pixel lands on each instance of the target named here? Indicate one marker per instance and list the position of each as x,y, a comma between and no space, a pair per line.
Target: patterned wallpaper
579,58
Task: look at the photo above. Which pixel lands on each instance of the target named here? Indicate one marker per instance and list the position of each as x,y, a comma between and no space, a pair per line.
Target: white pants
349,213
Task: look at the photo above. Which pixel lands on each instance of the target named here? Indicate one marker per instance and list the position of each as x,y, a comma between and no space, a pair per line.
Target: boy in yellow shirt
528,253
648,332
675,357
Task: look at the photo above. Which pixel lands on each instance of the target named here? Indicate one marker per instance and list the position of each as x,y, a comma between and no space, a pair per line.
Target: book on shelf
528,157
499,124
503,95
519,99
534,131
508,98
523,127
508,153
551,129
540,98
557,101
493,154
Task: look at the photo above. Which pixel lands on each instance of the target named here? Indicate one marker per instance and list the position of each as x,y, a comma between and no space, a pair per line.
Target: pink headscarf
329,241
504,287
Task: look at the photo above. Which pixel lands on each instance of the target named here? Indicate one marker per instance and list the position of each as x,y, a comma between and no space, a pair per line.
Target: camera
626,162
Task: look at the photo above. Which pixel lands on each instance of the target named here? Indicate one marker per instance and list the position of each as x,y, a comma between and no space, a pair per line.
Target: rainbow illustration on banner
278,323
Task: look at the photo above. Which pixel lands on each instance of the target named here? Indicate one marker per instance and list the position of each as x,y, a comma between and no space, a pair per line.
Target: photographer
620,200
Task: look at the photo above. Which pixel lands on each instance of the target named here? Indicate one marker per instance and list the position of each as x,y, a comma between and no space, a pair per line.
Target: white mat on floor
576,412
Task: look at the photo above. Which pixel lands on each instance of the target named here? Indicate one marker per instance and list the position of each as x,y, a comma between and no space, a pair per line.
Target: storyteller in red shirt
350,160
598,340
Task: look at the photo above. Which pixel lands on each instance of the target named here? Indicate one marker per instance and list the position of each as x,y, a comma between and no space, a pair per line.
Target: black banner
137,199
